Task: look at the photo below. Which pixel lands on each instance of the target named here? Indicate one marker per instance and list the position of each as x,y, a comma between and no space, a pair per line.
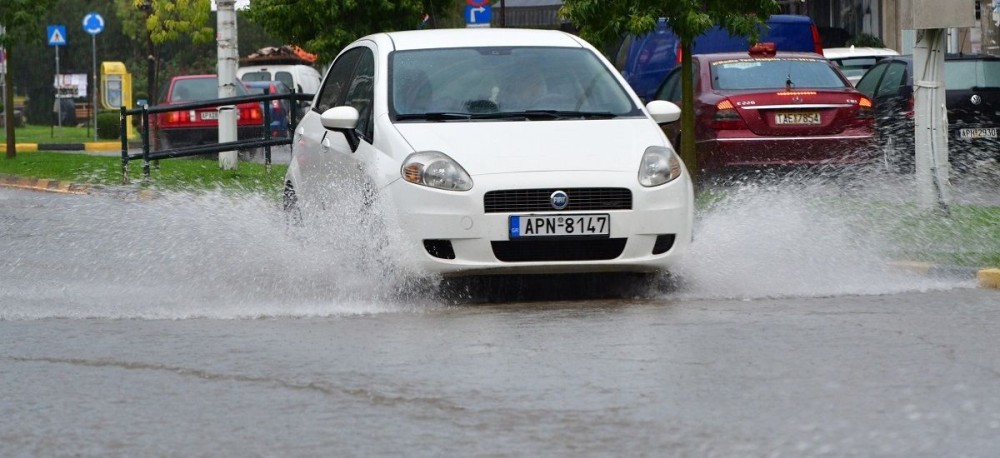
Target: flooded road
200,325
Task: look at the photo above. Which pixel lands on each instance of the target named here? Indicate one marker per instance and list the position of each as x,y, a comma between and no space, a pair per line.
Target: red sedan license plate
209,115
525,226
806,118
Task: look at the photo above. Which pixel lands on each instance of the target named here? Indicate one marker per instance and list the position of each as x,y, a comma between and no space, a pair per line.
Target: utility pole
228,57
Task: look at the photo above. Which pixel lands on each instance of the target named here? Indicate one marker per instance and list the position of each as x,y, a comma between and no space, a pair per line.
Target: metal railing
265,140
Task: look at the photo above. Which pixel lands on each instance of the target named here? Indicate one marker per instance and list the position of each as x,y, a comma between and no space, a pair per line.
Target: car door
312,141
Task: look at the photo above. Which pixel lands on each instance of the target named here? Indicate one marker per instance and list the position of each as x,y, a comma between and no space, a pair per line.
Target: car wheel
290,205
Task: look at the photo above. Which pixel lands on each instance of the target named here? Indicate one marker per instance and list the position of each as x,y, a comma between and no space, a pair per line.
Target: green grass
172,174
47,134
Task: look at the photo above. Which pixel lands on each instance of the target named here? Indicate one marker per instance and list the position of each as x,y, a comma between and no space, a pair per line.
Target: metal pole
122,122
227,58
93,107
58,102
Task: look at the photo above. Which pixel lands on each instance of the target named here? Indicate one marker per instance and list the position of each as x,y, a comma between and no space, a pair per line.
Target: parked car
972,98
280,109
486,174
645,60
303,79
768,108
855,61
201,126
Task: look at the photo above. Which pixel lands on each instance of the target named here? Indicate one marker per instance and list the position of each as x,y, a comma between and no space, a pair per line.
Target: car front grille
580,199
558,250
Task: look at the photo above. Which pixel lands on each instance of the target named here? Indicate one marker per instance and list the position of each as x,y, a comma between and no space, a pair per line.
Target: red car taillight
865,109
817,40
251,114
726,117
909,108
178,117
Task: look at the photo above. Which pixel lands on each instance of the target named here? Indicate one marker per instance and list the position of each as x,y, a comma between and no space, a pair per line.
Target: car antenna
788,82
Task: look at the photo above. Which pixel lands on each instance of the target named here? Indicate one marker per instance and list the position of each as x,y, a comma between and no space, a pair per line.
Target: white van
302,79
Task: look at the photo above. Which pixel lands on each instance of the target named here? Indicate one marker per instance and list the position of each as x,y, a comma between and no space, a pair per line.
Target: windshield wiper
550,114
436,116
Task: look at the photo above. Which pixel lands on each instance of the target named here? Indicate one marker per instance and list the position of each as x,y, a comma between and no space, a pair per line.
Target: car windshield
777,73
493,82
968,74
857,65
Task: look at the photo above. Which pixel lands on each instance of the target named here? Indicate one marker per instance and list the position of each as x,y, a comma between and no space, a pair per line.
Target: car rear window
749,74
969,74
197,89
256,76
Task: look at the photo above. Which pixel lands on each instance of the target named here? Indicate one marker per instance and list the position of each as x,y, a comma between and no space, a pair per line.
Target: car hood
524,146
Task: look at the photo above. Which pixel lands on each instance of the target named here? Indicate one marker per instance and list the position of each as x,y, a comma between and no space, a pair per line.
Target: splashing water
212,255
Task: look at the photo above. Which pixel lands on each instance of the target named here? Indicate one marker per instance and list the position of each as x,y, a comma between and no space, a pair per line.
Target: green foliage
324,27
108,125
22,20
866,40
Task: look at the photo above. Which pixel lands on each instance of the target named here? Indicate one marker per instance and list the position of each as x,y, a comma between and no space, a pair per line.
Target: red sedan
200,126
766,108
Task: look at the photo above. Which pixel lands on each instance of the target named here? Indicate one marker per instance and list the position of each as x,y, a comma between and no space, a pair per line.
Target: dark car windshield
777,73
493,83
968,74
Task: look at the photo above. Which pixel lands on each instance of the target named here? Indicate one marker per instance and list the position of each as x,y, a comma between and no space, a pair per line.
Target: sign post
93,24
56,36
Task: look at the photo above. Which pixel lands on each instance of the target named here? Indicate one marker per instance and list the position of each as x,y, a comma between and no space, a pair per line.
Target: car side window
338,80
670,90
361,92
868,83
892,80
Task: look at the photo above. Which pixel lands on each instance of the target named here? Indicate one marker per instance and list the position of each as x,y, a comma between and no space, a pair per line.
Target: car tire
290,206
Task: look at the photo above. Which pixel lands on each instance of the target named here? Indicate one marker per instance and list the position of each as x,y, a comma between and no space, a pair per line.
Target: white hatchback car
499,151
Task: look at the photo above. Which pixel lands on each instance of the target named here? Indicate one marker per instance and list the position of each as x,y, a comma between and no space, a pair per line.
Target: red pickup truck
201,126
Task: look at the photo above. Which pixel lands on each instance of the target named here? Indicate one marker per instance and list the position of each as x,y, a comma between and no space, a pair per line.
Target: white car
498,151
855,61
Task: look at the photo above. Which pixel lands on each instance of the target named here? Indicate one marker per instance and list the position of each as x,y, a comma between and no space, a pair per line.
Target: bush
866,40
108,125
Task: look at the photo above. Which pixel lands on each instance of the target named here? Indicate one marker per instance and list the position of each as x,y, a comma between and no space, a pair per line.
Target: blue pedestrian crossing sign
93,23
56,35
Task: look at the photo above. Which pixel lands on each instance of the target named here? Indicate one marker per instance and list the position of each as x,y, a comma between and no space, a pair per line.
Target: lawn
50,134
172,174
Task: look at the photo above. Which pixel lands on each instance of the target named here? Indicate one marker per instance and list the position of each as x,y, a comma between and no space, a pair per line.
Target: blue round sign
93,23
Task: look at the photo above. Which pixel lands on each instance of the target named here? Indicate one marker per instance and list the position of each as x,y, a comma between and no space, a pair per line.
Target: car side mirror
663,112
343,119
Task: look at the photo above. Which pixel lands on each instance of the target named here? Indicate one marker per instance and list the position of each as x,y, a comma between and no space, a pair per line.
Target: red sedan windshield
778,73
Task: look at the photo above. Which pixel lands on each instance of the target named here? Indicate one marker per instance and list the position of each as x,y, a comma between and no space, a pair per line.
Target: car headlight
436,170
659,165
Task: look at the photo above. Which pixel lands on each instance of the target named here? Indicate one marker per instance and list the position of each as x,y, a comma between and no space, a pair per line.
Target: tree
324,27
20,19
605,21
157,22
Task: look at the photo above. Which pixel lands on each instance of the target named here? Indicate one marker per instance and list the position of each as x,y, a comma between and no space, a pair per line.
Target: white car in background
499,151
855,61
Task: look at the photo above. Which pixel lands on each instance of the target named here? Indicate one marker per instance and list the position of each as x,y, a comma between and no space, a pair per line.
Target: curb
88,146
40,184
986,277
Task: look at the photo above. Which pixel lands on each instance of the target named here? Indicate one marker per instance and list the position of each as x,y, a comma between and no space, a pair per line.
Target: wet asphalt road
196,326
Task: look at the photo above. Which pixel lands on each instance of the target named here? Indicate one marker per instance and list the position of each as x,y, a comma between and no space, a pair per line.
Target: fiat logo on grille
559,200
976,99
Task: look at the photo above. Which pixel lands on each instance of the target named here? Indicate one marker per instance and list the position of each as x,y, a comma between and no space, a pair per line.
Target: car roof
476,37
861,51
715,57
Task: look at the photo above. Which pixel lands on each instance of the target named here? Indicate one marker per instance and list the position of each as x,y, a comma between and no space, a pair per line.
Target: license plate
522,226
989,132
209,115
797,118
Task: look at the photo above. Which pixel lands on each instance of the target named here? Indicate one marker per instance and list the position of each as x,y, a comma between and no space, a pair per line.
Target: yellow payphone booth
116,88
